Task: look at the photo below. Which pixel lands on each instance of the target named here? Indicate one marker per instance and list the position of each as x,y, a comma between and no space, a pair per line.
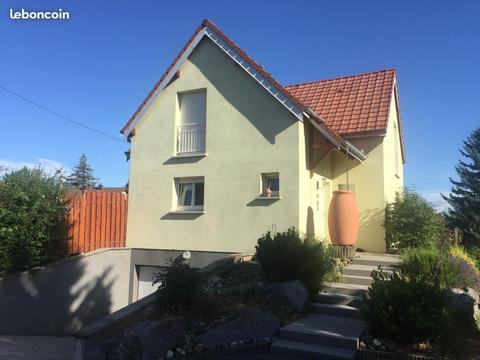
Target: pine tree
82,175
464,199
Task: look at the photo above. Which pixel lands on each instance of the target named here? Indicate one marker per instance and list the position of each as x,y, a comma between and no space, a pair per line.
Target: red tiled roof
351,104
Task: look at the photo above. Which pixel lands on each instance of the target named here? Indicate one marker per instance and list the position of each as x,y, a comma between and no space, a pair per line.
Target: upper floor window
191,123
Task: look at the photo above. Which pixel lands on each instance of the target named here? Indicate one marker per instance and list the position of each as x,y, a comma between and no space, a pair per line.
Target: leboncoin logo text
39,15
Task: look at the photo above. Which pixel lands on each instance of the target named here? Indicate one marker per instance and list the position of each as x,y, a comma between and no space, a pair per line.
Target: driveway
36,347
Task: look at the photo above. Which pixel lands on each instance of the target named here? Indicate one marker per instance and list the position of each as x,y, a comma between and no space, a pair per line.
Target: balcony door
191,125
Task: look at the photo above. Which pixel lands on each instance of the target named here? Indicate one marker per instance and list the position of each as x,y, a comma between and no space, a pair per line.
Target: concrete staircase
333,328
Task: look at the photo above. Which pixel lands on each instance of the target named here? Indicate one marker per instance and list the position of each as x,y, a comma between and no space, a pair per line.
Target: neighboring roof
351,104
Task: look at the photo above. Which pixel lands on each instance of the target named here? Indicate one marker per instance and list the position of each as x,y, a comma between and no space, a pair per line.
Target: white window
271,185
190,192
191,123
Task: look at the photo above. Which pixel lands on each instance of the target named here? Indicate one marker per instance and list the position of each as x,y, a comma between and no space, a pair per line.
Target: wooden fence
97,219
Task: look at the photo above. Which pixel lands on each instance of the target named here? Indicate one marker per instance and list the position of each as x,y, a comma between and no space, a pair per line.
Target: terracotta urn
343,218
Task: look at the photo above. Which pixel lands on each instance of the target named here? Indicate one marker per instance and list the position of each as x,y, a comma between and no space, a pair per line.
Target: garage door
146,275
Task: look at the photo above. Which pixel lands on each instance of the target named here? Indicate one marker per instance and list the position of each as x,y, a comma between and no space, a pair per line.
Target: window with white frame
271,185
192,108
190,193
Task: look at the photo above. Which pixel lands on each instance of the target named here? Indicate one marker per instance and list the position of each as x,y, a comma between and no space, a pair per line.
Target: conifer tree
82,175
464,199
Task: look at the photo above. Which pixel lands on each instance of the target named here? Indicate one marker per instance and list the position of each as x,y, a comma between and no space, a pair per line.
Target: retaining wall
65,296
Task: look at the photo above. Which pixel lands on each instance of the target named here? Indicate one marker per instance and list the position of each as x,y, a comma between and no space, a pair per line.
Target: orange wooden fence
97,219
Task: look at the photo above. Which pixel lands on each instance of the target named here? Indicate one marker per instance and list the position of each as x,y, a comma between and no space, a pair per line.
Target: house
222,153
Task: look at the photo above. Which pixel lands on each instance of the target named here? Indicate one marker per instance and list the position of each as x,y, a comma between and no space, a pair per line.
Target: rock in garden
250,323
465,303
290,295
389,344
474,295
376,342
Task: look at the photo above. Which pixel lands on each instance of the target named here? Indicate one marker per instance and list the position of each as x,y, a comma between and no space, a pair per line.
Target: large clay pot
343,218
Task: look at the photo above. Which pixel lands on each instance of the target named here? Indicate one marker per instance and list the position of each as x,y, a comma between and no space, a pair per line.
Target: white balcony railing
191,138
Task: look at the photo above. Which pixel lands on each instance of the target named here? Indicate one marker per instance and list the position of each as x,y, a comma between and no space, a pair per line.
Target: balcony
191,139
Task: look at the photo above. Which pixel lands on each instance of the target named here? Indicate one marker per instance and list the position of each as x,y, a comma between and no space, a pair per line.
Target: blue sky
97,67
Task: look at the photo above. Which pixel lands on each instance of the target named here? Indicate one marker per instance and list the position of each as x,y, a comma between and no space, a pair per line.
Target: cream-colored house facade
222,153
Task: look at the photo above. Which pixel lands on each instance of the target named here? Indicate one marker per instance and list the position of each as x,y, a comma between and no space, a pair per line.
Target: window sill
269,197
188,155
186,212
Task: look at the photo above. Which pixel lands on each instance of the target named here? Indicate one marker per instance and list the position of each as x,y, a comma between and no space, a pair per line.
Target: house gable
208,29
229,90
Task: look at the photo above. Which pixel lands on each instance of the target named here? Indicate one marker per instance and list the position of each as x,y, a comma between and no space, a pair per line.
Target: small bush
407,309
287,256
411,222
180,284
432,266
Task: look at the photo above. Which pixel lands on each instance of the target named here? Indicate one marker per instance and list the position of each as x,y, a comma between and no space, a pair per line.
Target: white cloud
50,166
434,197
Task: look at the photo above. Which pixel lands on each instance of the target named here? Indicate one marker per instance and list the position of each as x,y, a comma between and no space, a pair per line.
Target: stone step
336,310
344,289
359,280
364,270
334,331
376,259
339,299
312,351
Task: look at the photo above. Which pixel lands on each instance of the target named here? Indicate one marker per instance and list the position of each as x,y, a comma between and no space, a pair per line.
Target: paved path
36,348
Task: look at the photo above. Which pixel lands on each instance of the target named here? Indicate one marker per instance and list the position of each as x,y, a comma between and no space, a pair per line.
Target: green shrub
32,219
180,284
431,266
465,266
411,222
474,253
287,256
407,309
452,267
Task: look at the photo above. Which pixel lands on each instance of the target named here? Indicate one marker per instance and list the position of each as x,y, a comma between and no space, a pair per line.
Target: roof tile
342,102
